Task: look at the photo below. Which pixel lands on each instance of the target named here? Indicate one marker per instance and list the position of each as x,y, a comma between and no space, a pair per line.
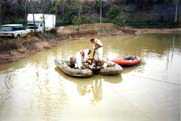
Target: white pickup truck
13,30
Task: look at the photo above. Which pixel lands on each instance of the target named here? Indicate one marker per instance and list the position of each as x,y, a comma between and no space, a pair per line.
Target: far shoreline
34,43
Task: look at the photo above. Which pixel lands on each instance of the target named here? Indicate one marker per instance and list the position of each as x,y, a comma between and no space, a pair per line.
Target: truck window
6,28
16,28
32,27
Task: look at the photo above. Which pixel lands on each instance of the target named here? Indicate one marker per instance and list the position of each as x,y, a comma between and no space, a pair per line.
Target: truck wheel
13,36
18,36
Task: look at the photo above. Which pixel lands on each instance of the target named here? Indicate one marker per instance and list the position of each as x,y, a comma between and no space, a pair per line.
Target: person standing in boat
97,51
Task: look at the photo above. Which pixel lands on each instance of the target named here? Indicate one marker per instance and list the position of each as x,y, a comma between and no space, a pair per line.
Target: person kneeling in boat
97,59
82,58
86,55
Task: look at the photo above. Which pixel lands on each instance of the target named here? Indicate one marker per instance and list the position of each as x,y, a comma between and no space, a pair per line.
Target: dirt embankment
14,49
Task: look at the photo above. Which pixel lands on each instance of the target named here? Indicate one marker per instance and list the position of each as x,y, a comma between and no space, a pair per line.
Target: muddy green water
32,90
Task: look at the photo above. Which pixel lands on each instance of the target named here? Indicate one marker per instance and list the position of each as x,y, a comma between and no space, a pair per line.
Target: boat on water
74,72
127,61
113,69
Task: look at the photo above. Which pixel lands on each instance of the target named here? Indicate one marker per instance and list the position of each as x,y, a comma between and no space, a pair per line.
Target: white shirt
99,51
79,60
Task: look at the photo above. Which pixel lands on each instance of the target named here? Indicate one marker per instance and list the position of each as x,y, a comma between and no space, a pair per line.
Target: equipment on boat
115,69
74,72
127,61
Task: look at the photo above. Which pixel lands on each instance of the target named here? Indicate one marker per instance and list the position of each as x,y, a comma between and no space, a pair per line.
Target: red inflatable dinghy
127,61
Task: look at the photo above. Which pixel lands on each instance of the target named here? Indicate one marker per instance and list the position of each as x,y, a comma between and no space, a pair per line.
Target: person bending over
97,51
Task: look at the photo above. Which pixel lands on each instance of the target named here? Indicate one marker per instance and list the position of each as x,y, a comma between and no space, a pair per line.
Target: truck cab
37,27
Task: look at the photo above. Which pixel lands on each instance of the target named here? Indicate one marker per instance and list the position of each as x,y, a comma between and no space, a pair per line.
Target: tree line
120,12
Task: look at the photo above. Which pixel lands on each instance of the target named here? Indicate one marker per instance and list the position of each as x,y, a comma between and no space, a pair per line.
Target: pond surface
32,90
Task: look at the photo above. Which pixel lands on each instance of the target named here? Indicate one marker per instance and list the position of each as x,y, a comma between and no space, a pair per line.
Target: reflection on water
94,89
32,89
91,87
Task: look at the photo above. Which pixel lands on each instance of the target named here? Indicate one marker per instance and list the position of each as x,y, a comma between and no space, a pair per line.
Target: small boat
127,61
65,68
115,69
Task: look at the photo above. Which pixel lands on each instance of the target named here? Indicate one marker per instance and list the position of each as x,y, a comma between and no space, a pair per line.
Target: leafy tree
113,12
